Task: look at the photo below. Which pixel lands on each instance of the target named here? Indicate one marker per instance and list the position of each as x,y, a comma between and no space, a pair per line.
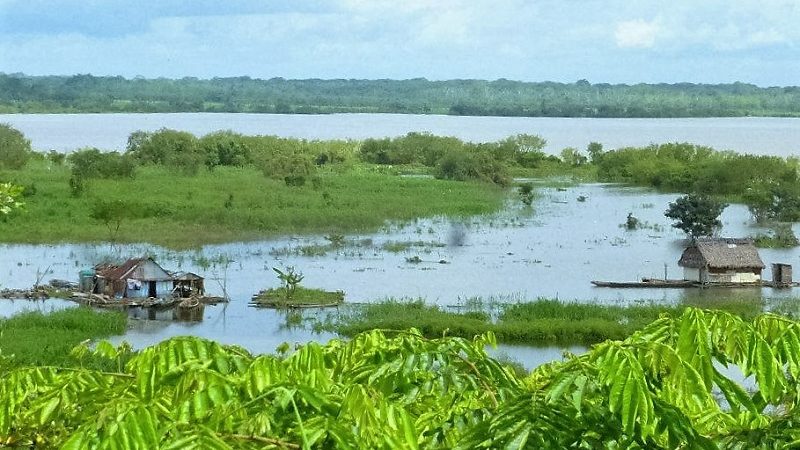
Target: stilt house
722,260
135,278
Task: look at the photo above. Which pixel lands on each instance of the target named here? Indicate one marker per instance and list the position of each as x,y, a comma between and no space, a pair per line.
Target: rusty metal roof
127,269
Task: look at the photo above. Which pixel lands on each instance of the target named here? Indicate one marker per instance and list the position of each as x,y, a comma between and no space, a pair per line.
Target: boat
647,283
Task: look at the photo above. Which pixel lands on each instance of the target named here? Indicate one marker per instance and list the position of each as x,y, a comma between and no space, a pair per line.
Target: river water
763,135
552,250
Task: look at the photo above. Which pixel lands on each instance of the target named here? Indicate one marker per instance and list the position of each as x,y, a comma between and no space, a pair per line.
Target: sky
602,41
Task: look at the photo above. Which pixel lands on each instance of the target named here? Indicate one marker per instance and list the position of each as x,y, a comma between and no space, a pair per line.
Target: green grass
276,298
33,338
184,211
541,322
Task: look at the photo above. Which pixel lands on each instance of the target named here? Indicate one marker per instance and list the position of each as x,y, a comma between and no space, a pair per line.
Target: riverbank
229,204
34,338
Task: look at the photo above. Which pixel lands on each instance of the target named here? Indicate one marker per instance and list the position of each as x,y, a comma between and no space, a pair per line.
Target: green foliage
472,163
10,198
539,322
695,214
225,148
782,237
290,278
15,148
768,185
33,338
179,210
771,200
92,163
87,93
111,213
299,297
595,152
661,388
178,150
572,157
526,193
414,148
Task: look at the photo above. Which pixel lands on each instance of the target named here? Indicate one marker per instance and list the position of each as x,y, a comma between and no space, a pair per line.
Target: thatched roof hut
722,260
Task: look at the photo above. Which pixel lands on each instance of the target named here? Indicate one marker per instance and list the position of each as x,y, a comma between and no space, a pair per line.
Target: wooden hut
781,275
188,284
135,278
722,260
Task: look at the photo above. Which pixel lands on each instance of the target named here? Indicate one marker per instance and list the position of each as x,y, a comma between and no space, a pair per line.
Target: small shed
782,274
188,284
135,278
722,260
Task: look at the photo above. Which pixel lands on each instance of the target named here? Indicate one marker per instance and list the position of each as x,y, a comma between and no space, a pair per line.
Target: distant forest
91,94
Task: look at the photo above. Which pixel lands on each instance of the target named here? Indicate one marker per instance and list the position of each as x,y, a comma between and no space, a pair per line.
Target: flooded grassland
550,250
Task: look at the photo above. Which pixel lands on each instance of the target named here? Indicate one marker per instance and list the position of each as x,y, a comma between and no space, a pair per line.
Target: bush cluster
453,159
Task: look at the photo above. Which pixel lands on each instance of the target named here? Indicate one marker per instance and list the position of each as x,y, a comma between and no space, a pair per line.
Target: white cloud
636,33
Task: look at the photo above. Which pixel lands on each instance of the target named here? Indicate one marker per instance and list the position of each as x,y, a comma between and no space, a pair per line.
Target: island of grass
541,322
302,297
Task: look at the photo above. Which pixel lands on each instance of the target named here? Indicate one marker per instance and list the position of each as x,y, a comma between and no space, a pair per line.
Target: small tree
595,151
290,279
111,213
696,214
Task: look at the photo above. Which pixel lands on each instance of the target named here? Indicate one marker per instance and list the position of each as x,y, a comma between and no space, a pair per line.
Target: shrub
475,164
92,163
177,149
15,149
225,148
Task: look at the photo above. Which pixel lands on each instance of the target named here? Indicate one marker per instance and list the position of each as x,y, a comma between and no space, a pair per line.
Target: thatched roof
721,253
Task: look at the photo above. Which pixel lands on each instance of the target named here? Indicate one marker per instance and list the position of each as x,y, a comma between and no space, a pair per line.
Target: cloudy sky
615,41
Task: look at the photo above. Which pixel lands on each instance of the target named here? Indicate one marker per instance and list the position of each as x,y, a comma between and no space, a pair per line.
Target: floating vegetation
401,246
301,298
335,243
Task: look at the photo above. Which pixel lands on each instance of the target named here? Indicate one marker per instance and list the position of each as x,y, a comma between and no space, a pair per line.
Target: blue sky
614,41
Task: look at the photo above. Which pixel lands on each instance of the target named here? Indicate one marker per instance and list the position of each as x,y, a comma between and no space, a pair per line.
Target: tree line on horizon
21,93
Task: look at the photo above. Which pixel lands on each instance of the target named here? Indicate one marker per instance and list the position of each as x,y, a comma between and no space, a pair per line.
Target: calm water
553,250
67,132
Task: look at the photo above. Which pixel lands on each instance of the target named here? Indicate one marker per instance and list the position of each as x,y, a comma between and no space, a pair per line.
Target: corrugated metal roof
722,253
133,268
